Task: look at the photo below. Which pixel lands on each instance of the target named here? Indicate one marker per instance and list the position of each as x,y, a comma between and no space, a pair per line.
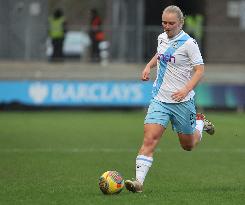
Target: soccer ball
111,182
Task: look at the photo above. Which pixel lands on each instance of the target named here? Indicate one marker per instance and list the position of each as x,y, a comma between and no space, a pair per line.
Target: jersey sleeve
194,53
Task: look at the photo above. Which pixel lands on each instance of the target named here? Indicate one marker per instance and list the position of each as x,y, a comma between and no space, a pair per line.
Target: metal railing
127,44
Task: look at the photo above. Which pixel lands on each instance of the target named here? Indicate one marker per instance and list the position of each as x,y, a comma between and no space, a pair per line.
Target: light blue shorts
182,115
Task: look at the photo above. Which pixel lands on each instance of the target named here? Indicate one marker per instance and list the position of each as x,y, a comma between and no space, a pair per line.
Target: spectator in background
57,30
96,35
194,26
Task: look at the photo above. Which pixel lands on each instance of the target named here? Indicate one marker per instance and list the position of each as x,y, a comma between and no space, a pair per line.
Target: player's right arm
146,72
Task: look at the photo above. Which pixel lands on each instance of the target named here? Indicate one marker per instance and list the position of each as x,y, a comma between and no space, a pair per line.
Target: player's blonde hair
177,10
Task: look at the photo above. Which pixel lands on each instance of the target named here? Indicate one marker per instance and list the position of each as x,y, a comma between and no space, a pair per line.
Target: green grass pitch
53,157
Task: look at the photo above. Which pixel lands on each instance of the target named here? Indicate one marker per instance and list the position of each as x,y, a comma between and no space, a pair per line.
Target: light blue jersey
176,59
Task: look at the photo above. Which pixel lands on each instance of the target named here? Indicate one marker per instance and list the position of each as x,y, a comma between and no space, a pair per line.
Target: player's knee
187,147
150,140
148,146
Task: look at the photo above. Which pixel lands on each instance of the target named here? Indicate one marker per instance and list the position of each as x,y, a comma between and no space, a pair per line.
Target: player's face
171,24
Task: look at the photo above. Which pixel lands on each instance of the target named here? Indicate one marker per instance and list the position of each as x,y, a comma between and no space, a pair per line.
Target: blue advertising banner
109,93
220,95
76,93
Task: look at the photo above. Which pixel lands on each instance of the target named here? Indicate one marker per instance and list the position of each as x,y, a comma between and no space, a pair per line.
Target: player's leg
155,124
184,123
144,160
190,125
152,135
189,141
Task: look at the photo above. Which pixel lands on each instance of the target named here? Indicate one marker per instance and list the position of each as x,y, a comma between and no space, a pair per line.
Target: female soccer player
179,69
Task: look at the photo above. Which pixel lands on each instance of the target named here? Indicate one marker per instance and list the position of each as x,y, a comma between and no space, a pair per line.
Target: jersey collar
177,36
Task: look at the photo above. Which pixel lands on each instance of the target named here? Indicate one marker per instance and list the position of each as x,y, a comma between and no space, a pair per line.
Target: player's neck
176,35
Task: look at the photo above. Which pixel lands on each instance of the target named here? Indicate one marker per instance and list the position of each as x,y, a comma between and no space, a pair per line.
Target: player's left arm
196,77
191,84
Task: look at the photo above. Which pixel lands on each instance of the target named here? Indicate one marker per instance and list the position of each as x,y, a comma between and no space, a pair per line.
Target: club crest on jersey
166,58
175,44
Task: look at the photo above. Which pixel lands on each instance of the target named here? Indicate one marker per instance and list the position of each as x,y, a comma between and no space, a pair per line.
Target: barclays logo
38,92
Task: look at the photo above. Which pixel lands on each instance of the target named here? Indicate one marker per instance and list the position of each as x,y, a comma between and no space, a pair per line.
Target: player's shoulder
191,41
162,36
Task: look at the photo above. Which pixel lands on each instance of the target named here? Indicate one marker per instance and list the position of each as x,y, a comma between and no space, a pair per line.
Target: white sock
199,127
143,163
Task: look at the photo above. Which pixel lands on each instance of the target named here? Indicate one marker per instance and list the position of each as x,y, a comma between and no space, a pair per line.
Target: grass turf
57,158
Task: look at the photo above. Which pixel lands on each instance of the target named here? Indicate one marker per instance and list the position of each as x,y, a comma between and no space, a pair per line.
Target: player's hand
180,95
146,73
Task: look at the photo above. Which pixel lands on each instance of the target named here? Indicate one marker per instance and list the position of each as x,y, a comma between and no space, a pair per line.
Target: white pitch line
110,150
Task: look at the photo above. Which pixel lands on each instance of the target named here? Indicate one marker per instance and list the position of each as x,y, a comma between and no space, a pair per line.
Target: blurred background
105,45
